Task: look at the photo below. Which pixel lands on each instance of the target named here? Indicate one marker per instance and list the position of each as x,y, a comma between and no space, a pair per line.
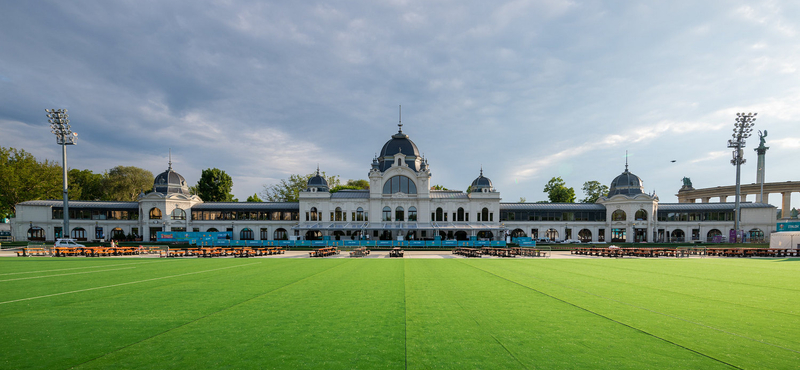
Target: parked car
68,243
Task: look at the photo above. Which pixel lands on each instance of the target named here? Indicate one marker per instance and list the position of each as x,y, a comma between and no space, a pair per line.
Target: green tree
594,190
215,186
522,200
440,187
288,190
23,178
254,198
85,185
352,185
125,183
558,192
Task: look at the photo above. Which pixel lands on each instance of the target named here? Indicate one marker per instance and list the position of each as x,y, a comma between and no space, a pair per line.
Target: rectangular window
264,233
58,231
601,235
195,229
491,217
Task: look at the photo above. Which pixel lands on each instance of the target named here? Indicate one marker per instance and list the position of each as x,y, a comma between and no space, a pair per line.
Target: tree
352,185
288,190
85,185
23,178
215,186
125,183
522,200
439,187
254,198
594,190
558,192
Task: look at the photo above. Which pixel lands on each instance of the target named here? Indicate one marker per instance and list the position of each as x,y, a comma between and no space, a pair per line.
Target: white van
69,243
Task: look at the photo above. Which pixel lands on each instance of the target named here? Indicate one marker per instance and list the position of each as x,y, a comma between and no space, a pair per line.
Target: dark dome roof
626,184
170,181
400,143
481,183
318,182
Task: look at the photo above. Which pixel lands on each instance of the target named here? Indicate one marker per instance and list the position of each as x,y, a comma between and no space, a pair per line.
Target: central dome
626,184
400,143
170,181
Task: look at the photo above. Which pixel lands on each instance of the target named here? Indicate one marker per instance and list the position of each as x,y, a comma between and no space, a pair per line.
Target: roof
678,207
626,183
82,204
448,194
350,194
400,143
551,207
246,205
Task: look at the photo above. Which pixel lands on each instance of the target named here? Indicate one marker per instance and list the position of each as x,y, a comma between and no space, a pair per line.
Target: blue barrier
217,242
416,243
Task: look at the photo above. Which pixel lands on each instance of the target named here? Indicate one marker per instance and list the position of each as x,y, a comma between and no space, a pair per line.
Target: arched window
387,214
485,234
439,214
618,215
178,214
459,214
551,234
155,213
461,235
677,236
338,234
212,230
714,234
517,233
338,214
79,233
412,213
484,215
399,184
313,235
36,233
280,234
756,236
585,235
360,214
399,214
641,215
246,234
313,215
117,233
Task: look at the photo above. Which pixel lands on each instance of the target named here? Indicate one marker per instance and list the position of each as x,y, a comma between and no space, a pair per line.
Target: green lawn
414,313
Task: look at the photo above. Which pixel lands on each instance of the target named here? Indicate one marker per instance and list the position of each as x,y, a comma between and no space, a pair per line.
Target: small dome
317,182
170,181
626,184
481,183
400,143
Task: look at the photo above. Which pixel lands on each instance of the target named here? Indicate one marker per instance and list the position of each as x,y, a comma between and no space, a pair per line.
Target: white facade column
786,208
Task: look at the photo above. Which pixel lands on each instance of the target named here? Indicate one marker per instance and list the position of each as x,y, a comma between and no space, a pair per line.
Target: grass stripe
73,268
123,284
610,319
206,316
71,273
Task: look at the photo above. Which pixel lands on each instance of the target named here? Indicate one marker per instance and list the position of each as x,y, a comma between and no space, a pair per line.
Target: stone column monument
761,150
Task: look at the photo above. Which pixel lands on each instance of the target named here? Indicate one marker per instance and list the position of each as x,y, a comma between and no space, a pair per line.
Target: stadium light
741,131
59,124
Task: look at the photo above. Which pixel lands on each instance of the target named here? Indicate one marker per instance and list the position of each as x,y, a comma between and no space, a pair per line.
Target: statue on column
687,184
761,137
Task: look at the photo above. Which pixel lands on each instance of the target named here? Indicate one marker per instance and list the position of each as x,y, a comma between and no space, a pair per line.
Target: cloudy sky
527,89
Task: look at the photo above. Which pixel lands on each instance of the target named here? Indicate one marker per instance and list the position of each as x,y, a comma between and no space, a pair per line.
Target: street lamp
59,123
741,131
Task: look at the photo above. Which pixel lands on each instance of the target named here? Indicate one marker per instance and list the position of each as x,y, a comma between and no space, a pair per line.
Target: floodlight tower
741,131
59,123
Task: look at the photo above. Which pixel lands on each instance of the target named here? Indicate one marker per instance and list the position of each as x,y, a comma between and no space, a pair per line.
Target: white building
398,204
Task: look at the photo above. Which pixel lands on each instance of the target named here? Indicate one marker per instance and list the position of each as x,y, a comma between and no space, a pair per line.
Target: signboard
788,226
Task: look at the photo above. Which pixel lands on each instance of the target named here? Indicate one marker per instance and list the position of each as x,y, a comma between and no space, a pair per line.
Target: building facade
399,204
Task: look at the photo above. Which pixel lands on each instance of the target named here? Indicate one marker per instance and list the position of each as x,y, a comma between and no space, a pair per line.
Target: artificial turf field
400,313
